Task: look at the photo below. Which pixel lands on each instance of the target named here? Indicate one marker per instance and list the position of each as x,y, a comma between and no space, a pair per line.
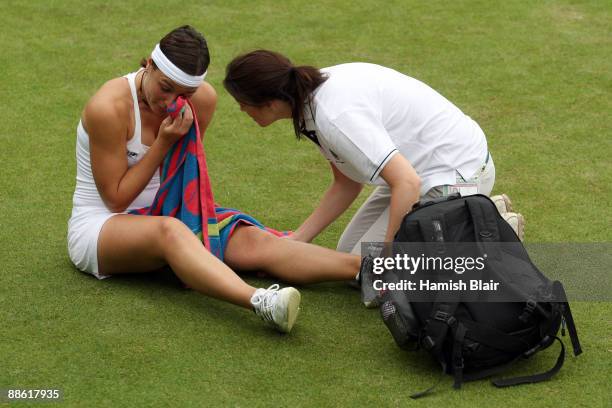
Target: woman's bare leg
251,248
134,243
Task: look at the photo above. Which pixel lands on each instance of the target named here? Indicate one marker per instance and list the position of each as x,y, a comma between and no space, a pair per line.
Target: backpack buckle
445,317
530,307
460,364
485,234
537,347
441,316
532,351
428,343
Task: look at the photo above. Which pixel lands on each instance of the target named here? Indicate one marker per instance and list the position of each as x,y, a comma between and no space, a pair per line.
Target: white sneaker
502,202
517,222
278,308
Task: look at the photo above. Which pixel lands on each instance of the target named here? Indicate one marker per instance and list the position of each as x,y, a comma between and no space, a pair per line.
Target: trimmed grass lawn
535,75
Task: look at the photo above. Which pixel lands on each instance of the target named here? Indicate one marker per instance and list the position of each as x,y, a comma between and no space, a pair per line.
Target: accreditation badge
465,189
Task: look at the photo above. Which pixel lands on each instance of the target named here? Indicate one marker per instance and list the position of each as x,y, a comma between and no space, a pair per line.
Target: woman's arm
405,185
117,184
335,201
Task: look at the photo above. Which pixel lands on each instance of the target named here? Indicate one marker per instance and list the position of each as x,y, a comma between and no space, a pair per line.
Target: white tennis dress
89,213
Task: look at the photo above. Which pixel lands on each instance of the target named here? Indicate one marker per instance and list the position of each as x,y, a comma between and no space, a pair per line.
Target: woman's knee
171,230
253,249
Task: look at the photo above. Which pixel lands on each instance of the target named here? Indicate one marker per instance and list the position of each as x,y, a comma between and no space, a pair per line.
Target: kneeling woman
375,126
123,136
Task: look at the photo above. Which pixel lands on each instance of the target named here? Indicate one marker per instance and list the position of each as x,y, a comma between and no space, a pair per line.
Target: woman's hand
171,130
335,201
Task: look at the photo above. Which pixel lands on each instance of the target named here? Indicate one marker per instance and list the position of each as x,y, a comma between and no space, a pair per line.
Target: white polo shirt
365,113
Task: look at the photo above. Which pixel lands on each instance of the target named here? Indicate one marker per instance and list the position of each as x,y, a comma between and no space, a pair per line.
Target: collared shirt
364,114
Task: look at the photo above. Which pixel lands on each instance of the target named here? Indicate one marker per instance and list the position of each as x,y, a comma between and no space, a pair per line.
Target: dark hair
261,76
187,49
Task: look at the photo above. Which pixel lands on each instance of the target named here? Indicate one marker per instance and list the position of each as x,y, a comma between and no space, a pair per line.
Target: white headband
173,72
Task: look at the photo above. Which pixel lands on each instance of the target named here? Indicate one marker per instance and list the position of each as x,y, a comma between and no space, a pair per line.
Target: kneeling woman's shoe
517,222
369,296
503,203
277,308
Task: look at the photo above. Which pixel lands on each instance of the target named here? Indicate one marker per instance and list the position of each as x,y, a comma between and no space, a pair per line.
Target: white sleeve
358,136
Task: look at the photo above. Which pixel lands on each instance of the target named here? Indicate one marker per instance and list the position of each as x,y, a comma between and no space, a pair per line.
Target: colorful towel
185,192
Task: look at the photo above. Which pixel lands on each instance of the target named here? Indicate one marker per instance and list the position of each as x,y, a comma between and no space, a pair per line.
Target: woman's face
159,91
267,113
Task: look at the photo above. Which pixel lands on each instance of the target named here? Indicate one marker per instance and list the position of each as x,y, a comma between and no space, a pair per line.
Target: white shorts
84,229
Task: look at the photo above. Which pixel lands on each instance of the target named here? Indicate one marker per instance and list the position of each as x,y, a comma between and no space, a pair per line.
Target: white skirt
84,229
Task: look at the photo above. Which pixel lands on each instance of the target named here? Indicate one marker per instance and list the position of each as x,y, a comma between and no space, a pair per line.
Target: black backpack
471,339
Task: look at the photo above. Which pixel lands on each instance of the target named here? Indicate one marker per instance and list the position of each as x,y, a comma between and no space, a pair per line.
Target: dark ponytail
261,76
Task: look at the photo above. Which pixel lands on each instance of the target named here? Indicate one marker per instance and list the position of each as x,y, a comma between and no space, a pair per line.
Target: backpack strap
437,327
436,330
459,331
566,313
420,394
488,372
457,357
485,225
457,354
494,338
571,327
530,379
486,335
434,230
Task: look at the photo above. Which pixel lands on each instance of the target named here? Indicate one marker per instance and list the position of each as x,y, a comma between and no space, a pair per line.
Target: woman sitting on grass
123,136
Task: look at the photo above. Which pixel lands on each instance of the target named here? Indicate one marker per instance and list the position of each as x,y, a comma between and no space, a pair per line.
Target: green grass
535,75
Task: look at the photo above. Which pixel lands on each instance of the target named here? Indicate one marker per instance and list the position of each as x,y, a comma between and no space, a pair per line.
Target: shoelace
264,301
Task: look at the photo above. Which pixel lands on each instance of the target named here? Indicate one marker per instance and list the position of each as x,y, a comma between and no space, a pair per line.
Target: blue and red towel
185,192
